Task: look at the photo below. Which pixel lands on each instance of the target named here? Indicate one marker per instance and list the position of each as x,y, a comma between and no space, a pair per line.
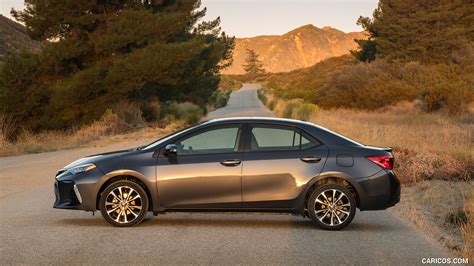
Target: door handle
234,162
311,159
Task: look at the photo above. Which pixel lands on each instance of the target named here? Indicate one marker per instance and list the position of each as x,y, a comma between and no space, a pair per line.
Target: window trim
302,132
240,139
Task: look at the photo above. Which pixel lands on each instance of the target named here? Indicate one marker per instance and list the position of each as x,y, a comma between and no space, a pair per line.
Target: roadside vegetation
428,58
105,68
221,96
125,120
99,56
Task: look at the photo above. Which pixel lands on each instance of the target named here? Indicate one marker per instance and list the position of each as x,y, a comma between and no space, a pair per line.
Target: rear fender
309,185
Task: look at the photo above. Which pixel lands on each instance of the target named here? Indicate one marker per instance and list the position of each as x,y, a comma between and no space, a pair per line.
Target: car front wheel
331,207
124,203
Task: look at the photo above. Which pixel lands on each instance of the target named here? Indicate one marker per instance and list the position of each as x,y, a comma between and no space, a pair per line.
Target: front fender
150,185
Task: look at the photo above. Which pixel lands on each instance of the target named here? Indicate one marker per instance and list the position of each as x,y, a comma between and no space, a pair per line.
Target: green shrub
129,114
364,86
271,105
342,83
220,98
188,112
229,83
453,99
261,95
289,109
305,110
151,110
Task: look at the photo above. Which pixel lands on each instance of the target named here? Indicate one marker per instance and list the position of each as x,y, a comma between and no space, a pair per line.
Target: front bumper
67,195
79,191
380,191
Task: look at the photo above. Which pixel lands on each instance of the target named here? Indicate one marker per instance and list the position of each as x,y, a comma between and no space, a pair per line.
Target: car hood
99,157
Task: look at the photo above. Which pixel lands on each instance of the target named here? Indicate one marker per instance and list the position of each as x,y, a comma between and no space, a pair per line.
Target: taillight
386,161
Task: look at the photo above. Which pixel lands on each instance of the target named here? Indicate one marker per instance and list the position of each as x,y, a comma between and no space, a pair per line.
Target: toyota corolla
235,165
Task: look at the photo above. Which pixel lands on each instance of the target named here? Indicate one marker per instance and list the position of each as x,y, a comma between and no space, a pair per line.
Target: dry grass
430,206
110,128
400,126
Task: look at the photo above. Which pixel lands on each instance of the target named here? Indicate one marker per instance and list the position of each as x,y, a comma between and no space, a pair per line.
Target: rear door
279,160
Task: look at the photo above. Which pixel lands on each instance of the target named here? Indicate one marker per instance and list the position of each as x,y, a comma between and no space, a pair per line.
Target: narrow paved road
243,102
34,233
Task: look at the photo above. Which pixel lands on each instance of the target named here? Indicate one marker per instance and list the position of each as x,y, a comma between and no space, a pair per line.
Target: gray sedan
235,165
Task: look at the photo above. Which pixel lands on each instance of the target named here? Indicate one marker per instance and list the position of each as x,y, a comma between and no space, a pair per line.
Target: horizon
280,17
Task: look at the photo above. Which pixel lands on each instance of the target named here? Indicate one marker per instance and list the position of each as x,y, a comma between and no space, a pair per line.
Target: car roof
256,120
326,135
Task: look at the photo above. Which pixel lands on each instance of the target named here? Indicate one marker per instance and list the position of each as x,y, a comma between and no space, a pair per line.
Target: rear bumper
380,191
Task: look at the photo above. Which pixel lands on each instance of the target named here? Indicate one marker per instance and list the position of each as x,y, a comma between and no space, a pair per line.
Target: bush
151,110
228,83
271,105
188,112
453,99
364,86
342,83
289,109
261,95
220,98
305,110
129,114
8,129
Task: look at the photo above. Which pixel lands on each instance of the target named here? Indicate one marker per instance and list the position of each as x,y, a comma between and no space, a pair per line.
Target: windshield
167,137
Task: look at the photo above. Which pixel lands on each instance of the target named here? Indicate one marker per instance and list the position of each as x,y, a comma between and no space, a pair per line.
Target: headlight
81,168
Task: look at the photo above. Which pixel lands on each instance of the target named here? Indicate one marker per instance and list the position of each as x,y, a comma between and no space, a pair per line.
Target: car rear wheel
331,207
124,203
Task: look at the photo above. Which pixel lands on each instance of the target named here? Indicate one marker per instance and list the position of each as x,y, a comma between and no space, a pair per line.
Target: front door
279,161
205,173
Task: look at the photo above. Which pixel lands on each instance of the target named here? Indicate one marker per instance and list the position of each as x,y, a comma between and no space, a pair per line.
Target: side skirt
235,211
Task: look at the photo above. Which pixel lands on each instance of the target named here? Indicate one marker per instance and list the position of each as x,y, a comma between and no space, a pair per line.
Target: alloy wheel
123,204
332,207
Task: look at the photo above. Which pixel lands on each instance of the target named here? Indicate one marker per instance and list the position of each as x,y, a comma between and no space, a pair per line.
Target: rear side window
272,138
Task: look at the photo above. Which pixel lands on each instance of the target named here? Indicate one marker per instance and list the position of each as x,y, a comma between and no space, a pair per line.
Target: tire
335,215
124,203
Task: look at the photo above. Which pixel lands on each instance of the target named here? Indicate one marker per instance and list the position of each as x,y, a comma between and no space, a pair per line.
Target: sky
248,18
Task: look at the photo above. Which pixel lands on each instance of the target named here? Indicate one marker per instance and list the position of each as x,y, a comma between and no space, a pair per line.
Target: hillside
299,48
13,37
305,82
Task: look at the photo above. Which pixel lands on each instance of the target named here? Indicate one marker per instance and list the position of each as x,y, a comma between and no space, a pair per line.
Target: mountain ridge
298,48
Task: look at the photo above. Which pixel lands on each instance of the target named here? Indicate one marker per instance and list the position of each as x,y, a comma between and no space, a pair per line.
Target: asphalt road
32,232
243,102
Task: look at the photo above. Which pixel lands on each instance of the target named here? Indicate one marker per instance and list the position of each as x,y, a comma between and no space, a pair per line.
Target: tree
253,65
98,53
417,30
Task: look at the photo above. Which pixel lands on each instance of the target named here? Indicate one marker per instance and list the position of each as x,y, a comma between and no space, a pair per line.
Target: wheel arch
125,175
330,178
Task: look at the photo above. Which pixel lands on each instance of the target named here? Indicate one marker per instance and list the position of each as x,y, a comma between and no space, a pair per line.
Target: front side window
219,140
269,138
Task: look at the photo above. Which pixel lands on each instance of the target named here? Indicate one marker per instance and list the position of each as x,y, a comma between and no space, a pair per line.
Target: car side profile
235,165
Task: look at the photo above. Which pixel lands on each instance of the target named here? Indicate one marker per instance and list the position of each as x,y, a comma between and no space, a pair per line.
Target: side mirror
171,149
